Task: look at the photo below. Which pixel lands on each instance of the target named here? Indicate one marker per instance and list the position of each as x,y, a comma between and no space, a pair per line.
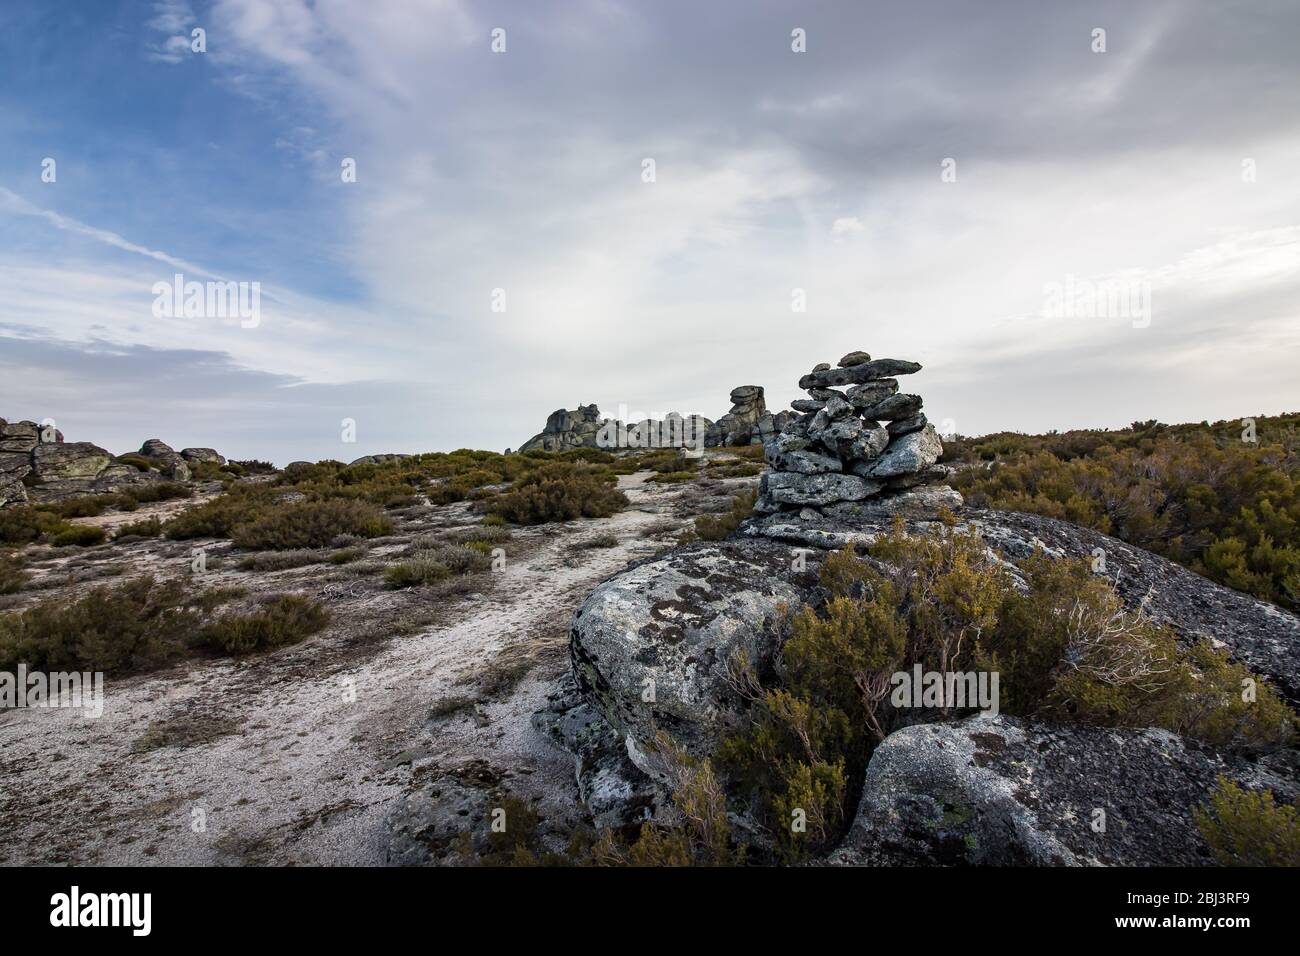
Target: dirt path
295,757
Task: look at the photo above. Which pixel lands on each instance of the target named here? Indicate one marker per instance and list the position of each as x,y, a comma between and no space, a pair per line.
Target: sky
641,205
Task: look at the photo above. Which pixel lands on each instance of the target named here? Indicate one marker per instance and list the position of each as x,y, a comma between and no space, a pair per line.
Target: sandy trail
310,747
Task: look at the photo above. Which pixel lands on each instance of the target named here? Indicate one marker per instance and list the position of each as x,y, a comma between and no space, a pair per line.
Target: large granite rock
78,459
999,791
651,647
203,454
169,462
18,436
614,790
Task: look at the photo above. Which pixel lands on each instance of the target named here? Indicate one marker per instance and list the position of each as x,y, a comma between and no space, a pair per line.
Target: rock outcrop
585,428
838,455
203,454
1002,792
567,429
169,463
38,466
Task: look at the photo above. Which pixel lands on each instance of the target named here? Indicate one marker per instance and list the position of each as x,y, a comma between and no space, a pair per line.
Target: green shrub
157,491
218,517
414,572
78,536
253,466
720,527
23,524
672,477
560,491
85,506
428,565
1247,828
310,524
281,560
286,620
137,625
150,527
138,461
1196,494
346,555
13,577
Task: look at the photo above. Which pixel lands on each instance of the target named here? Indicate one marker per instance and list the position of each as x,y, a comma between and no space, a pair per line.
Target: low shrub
157,491
1248,828
137,625
85,506
281,560
23,524
310,524
252,466
672,477
719,527
80,536
138,461
150,527
427,565
13,576
218,517
560,491
286,620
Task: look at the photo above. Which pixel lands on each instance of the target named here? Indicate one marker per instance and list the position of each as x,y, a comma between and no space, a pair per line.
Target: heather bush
719,527
310,524
138,625
560,491
1249,828
80,536
1196,494
287,619
13,577
150,527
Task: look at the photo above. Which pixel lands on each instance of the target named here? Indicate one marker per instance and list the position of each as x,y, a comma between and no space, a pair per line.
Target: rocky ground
302,755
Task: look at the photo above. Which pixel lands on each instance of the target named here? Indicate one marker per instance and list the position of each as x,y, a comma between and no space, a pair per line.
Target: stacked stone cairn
838,460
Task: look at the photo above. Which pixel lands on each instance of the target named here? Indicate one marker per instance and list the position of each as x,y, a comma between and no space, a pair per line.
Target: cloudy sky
930,175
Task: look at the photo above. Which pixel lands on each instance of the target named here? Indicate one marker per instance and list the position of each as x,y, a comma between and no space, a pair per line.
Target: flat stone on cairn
836,455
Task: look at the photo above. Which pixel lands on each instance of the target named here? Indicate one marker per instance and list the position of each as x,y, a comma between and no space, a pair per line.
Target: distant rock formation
38,466
748,423
567,429
585,428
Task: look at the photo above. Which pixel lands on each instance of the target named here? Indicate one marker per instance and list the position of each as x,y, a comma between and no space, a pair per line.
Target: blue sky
521,170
